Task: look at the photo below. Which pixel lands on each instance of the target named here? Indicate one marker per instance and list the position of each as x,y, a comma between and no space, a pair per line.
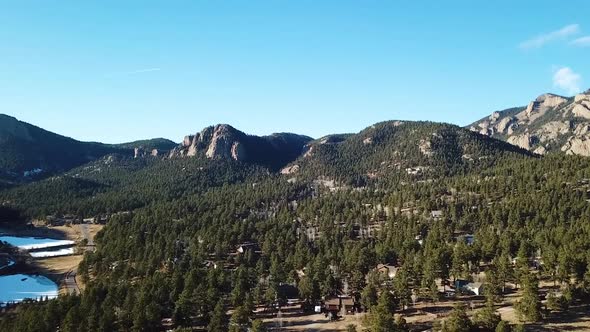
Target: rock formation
548,123
225,142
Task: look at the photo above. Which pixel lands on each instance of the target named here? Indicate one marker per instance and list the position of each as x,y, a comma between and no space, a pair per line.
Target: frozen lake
17,287
28,242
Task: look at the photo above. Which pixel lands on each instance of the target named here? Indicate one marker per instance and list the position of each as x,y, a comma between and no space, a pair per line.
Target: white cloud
566,79
543,39
582,41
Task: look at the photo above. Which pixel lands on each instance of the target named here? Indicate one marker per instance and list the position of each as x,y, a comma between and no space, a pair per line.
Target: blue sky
117,71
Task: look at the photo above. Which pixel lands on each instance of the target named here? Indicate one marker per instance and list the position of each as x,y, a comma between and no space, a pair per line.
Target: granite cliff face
550,123
225,142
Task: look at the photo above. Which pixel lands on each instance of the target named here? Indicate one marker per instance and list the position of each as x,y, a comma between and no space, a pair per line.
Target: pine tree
487,317
258,326
458,321
528,307
240,320
503,326
218,322
380,317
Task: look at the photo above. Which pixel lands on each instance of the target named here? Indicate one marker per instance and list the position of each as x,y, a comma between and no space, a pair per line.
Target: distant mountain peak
549,123
223,141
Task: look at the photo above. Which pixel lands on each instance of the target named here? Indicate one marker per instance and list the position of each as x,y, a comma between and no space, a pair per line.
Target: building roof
388,267
474,285
347,301
332,301
436,213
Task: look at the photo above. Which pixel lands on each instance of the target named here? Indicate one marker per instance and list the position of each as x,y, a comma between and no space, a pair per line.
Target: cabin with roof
474,287
249,246
436,214
387,270
344,305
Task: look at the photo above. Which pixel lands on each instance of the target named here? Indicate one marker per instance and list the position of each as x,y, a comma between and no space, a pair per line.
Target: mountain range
548,124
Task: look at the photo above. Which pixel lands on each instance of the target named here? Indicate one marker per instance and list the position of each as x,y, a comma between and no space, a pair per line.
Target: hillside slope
550,123
407,149
27,150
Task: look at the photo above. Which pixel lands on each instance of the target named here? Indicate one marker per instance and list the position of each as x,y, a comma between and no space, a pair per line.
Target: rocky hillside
550,123
399,149
225,142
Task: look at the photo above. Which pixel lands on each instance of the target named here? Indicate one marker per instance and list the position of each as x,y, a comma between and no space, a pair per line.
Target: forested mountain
118,183
162,144
550,123
385,152
402,149
26,150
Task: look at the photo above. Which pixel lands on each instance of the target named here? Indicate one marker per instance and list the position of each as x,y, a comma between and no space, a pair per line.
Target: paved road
70,283
86,234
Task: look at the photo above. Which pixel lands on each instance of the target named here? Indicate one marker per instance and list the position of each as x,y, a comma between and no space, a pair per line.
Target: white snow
47,245
54,253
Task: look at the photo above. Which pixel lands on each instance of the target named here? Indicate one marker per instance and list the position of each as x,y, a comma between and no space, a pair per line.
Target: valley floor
423,315
62,269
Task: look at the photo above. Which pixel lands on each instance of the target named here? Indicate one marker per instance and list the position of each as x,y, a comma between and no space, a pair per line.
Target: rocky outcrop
546,124
141,152
523,141
238,152
426,147
188,140
540,106
577,145
504,125
290,170
225,142
552,130
582,96
582,109
221,143
540,150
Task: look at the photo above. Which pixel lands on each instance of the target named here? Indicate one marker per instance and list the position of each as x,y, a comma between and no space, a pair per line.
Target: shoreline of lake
32,269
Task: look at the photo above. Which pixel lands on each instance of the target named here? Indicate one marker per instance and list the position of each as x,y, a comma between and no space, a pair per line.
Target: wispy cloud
541,40
566,79
133,72
582,41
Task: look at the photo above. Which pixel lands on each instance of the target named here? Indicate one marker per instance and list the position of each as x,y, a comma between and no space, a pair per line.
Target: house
389,271
460,283
210,264
450,294
436,214
414,170
332,304
337,304
245,247
468,239
474,287
348,306
419,239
